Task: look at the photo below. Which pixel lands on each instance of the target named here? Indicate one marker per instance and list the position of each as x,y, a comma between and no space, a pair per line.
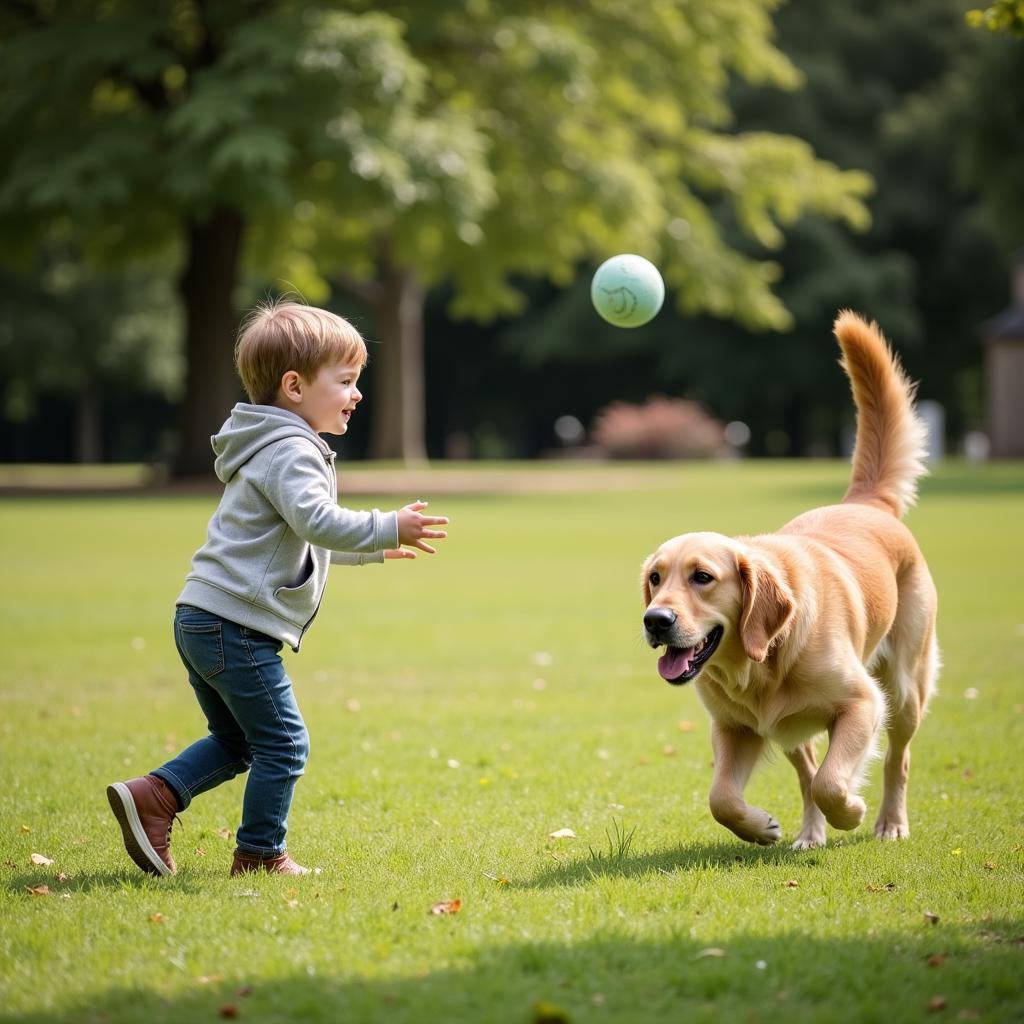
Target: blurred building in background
1004,370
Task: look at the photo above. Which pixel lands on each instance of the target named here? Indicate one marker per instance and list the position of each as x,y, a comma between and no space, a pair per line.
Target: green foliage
1000,16
93,691
151,117
70,327
932,111
548,135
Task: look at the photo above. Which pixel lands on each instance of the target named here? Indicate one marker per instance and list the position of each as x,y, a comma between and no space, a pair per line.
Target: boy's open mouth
678,665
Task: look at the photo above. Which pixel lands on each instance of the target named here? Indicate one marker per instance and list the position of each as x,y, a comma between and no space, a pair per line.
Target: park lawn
462,708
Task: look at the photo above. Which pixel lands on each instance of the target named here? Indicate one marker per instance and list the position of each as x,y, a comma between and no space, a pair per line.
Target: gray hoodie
278,526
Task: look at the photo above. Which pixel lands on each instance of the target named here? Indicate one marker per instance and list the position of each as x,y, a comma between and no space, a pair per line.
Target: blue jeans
254,723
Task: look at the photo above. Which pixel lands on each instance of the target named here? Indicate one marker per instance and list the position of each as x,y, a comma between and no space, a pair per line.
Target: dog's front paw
842,810
886,829
762,828
810,839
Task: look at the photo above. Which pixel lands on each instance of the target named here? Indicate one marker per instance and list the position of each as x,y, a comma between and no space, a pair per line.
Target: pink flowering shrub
661,428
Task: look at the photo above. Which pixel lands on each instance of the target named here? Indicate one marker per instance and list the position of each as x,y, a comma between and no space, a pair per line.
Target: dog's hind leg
812,833
909,689
737,751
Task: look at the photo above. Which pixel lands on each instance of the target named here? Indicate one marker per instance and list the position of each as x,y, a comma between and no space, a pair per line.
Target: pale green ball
627,290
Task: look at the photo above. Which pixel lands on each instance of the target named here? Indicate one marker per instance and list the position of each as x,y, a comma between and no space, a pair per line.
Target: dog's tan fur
828,624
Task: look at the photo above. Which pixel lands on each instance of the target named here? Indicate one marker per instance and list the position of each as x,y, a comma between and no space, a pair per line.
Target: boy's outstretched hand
413,527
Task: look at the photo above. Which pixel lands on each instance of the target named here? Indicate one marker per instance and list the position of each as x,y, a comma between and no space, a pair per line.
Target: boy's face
327,401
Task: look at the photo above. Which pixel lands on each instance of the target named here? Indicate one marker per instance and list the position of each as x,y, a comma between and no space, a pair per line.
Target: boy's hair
280,335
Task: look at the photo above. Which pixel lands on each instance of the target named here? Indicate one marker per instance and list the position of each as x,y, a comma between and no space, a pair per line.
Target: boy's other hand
413,527
399,553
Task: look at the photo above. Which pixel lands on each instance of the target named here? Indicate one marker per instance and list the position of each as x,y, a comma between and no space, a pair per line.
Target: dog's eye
654,578
702,578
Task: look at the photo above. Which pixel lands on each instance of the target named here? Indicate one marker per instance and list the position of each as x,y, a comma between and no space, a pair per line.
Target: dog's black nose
657,620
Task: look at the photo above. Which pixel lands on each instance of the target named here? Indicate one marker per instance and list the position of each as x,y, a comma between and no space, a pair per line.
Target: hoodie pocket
301,599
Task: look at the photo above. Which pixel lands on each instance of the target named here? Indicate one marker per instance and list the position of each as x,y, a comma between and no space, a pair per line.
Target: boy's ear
291,385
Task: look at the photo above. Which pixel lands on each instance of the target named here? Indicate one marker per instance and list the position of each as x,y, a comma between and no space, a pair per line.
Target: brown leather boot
145,809
282,864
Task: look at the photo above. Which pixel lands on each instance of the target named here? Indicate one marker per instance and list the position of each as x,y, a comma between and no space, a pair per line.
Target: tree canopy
445,142
476,159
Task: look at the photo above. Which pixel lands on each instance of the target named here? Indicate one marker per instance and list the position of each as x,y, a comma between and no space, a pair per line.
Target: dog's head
708,597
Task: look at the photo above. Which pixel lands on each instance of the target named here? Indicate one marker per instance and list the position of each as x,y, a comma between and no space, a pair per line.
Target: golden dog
826,625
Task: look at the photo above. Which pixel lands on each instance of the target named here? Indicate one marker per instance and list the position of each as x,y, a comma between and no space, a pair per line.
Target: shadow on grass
611,978
728,854
129,880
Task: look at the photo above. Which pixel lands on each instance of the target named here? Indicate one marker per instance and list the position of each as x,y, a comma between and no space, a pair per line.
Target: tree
570,132
164,131
438,142
81,333
932,111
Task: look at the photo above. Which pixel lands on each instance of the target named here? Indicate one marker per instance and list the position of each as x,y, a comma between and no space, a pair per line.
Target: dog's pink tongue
674,662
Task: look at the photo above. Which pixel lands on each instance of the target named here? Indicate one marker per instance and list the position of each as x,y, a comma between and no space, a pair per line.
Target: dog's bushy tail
888,457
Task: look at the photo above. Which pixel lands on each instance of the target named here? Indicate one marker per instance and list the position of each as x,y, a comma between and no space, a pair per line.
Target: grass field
462,708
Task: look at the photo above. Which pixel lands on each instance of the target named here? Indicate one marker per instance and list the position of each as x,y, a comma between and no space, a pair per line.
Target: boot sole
136,842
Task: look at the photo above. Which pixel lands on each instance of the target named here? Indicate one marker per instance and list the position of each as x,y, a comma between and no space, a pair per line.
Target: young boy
257,582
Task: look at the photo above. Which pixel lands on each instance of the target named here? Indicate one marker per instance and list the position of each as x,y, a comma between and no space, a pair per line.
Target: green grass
461,709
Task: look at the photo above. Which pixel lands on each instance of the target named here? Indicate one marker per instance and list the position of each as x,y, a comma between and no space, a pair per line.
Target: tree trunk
207,287
399,413
88,424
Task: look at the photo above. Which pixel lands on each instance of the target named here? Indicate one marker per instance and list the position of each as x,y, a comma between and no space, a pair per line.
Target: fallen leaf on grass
712,951
157,918
446,907
936,1003
228,1010
685,726
791,884
224,833
61,877
25,828
501,880
888,887
38,890
989,865
547,1013
562,833
937,959
40,861
930,917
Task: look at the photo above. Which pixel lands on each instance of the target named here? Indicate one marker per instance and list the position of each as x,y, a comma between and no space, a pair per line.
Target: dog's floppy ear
645,580
768,606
